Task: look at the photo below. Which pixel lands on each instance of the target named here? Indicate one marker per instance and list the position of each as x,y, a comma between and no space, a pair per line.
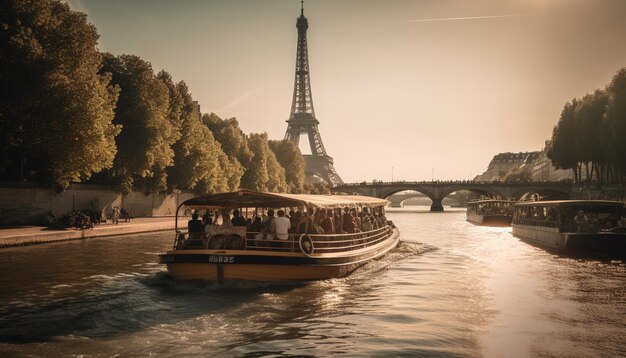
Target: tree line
69,113
589,137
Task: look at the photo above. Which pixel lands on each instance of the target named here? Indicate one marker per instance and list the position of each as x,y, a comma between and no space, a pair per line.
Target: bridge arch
437,190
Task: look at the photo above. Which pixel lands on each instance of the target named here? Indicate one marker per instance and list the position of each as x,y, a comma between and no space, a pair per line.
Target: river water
451,289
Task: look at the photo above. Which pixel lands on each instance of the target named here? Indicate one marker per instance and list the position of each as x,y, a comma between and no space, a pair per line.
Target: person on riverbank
115,216
125,215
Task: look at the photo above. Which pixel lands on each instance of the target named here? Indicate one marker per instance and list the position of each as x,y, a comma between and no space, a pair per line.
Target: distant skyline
413,85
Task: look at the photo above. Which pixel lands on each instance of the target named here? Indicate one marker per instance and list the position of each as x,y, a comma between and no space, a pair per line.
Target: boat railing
325,243
536,222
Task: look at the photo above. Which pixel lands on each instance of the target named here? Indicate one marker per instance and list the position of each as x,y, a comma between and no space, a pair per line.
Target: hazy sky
413,85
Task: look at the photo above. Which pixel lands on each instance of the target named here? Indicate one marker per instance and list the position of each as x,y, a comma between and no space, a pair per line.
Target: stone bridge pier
436,205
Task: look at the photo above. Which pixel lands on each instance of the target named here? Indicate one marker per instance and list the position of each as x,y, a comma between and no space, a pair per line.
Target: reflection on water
450,289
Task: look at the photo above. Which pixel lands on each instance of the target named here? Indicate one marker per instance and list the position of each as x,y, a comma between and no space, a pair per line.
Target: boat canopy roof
252,199
570,203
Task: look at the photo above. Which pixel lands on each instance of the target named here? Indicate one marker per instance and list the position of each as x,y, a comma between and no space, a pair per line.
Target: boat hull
255,265
490,220
600,244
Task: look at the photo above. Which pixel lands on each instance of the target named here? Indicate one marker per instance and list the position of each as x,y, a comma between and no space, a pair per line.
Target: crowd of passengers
579,222
296,221
503,209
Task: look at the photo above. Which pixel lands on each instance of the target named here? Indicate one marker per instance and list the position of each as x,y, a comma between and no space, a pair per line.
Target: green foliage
256,176
559,148
517,174
264,173
317,188
590,134
144,145
290,158
199,162
616,118
55,108
230,136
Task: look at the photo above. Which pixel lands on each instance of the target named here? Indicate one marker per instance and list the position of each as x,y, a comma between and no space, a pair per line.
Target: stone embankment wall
28,203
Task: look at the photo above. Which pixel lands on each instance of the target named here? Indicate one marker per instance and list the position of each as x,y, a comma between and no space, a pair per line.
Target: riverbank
34,235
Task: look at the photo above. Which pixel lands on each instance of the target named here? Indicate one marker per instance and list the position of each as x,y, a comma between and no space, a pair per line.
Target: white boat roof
252,199
570,202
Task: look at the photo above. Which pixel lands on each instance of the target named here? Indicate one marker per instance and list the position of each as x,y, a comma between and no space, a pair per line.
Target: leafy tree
560,148
275,172
517,174
199,161
264,172
589,129
256,177
290,158
616,121
55,108
144,145
317,188
230,136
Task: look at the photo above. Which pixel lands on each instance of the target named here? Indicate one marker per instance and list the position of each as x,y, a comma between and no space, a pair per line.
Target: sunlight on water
450,289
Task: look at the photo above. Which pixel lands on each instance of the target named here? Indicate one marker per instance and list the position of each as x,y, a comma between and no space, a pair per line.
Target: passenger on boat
194,225
326,222
356,220
206,218
382,221
268,221
374,223
307,225
281,226
256,225
224,219
237,219
296,218
581,221
367,224
348,224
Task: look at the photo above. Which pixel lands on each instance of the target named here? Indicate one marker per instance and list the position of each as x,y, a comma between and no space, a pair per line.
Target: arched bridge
437,190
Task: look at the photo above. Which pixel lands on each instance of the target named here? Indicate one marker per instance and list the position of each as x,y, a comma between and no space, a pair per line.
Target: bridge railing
444,182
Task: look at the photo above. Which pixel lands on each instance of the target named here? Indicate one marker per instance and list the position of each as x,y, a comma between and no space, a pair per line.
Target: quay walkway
33,235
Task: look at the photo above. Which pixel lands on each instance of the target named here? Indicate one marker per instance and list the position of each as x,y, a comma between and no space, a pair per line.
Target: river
451,289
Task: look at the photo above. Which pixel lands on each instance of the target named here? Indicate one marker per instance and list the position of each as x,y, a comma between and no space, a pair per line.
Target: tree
255,177
144,144
290,158
589,127
230,136
199,161
517,174
616,120
560,149
56,110
317,188
264,172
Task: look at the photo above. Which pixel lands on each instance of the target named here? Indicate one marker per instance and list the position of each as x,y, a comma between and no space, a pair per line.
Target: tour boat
555,226
490,212
224,252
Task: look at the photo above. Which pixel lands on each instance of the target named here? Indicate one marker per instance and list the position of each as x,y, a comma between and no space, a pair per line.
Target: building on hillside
502,163
543,170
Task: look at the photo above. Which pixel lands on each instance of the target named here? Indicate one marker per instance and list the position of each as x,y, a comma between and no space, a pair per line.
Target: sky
403,89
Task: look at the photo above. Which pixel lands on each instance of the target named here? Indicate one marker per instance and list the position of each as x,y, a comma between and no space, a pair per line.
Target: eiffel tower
318,165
